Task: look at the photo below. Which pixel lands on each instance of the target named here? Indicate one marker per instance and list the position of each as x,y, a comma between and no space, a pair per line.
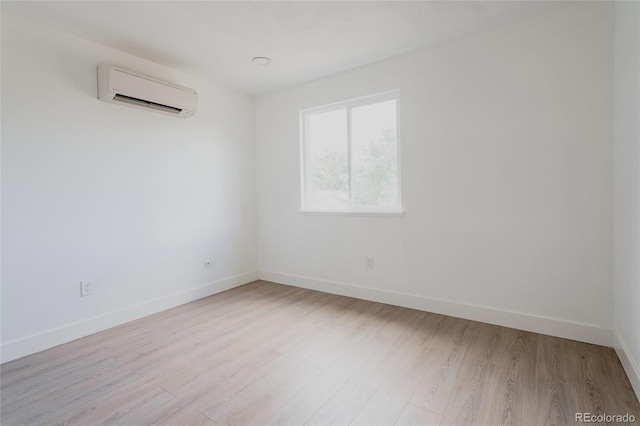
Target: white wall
507,180
627,188
134,200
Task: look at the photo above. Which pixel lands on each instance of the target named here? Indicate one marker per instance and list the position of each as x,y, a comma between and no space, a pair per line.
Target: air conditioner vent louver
147,104
129,88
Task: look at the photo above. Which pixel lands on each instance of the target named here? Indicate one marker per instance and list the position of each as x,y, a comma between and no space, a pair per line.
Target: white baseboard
550,326
50,338
630,366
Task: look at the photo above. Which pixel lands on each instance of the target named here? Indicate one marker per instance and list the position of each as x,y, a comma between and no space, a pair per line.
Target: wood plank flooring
266,353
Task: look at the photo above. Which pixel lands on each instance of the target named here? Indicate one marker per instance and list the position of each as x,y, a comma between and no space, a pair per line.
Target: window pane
327,155
374,150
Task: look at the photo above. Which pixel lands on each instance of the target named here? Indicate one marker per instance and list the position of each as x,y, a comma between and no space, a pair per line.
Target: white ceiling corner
304,39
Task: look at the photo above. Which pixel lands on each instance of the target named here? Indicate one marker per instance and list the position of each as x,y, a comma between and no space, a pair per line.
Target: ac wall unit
125,87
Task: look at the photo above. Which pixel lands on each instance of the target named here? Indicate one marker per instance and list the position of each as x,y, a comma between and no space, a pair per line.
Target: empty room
320,213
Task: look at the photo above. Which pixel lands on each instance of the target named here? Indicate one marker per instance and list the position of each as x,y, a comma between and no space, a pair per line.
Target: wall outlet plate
368,262
86,288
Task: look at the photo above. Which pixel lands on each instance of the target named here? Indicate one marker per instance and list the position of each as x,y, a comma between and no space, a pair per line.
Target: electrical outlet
86,288
207,264
368,261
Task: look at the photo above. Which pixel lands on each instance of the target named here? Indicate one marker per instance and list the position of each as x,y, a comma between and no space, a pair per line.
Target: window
350,160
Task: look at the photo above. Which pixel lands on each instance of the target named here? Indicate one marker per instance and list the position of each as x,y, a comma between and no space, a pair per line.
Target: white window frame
305,169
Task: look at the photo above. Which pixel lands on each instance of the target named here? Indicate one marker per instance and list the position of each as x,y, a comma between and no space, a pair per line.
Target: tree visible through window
350,155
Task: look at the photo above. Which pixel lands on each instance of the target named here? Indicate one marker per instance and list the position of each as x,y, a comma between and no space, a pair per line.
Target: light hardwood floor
266,353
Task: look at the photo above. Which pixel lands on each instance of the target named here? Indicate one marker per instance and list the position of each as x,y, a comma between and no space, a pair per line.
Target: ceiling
305,40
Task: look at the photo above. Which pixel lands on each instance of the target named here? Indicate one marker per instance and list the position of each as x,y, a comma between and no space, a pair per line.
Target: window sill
364,213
